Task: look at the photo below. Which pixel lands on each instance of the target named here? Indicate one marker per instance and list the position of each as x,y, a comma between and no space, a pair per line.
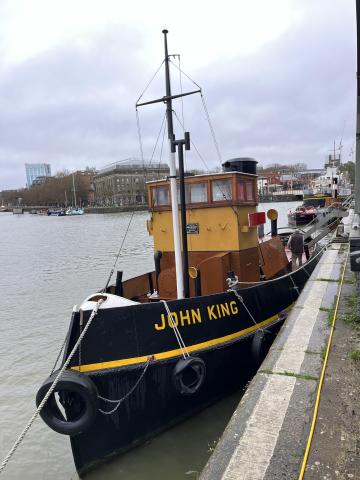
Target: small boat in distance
74,211
3,208
56,212
301,215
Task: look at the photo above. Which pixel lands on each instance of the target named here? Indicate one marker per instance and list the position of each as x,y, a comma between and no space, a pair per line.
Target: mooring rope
51,389
240,298
183,348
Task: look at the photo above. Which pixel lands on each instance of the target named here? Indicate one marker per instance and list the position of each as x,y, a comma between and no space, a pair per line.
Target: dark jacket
296,243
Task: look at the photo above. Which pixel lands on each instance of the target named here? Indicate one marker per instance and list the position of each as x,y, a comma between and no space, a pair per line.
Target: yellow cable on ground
313,423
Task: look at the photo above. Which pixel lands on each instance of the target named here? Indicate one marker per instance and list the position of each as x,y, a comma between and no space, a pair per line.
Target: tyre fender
189,375
258,346
72,386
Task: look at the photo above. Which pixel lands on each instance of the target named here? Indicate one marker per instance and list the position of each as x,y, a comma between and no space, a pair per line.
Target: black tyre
189,375
79,397
258,347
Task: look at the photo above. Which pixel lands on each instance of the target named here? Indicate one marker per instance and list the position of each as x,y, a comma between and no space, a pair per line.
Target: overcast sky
278,78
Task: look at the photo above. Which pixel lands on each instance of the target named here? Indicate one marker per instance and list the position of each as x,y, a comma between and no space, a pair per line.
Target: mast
173,186
181,272
74,190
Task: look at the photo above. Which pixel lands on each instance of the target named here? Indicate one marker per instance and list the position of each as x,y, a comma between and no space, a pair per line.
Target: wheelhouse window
198,193
250,191
187,193
160,196
221,190
240,190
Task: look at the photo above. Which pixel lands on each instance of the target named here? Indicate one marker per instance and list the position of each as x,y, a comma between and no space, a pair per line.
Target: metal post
173,188
118,284
180,144
357,150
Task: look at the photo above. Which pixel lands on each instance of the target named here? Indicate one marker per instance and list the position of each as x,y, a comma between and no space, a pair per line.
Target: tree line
55,191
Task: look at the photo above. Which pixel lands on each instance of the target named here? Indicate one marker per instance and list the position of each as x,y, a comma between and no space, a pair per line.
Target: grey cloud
74,106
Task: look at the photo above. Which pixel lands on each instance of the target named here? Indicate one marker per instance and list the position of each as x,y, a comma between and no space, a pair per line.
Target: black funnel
241,164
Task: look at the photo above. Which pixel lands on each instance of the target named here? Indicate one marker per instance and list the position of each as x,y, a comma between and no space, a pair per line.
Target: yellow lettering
211,313
218,311
162,326
196,315
174,319
225,310
234,308
185,317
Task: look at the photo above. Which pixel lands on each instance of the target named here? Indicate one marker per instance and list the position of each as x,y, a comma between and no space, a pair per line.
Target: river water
48,264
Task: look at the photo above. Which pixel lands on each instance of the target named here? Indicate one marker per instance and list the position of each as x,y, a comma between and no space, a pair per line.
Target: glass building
35,170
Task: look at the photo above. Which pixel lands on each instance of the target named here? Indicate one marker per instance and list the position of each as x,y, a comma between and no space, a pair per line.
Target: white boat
74,211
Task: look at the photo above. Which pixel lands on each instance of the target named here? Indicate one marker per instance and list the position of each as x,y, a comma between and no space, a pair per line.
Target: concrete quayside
274,434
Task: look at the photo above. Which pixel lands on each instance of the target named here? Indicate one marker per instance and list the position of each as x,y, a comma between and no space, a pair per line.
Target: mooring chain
51,389
60,352
132,389
178,336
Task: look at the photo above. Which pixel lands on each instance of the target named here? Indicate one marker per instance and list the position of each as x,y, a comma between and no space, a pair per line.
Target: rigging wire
161,150
205,109
139,136
211,128
185,74
208,169
138,119
157,139
118,254
149,83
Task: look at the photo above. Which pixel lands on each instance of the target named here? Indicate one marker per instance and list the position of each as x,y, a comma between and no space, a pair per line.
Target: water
47,264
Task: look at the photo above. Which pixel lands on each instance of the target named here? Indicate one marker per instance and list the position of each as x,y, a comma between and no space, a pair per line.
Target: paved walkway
268,432
335,450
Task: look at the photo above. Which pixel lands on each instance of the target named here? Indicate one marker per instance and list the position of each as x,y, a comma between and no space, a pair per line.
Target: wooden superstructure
220,239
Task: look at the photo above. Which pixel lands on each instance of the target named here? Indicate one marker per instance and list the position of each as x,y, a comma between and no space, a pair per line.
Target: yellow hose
313,423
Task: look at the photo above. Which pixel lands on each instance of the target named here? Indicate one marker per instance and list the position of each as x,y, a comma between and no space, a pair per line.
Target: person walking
296,246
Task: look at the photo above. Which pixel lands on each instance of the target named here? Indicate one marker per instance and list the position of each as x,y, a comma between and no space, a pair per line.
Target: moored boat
301,215
145,353
56,212
74,211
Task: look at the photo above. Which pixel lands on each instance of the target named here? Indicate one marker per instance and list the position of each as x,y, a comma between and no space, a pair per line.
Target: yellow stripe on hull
92,367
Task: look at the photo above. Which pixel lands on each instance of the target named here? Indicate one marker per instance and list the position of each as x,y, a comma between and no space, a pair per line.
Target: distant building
86,177
124,182
35,170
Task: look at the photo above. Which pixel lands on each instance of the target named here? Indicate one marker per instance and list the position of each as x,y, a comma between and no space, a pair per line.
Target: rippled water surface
48,264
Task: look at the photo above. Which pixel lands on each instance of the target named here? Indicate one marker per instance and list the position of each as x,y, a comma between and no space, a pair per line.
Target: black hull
156,405
224,342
